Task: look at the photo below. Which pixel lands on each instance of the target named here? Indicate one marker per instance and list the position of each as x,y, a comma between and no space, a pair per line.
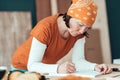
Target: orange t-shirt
46,31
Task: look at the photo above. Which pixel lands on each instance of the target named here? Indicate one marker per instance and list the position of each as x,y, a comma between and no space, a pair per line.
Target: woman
53,37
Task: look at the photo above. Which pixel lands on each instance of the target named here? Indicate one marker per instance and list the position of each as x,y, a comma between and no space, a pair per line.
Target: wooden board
14,29
93,47
43,9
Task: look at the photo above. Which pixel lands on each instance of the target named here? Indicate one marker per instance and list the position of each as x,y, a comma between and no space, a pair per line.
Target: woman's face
77,28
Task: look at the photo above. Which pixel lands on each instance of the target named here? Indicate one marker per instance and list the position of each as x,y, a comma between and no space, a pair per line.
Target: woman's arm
78,57
35,57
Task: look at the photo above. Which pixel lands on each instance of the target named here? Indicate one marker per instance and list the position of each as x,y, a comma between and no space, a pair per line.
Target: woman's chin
74,35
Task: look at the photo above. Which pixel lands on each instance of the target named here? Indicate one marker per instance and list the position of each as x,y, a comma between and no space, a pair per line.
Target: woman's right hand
66,67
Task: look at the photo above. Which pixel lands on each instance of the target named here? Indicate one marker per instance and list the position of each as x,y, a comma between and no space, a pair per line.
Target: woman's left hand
103,68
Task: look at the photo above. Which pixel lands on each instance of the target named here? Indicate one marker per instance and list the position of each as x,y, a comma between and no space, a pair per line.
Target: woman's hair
67,18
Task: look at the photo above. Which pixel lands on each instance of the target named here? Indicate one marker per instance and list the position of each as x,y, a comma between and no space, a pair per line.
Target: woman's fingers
103,68
70,67
66,67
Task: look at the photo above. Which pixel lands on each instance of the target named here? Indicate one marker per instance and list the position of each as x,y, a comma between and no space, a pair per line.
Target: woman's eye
80,25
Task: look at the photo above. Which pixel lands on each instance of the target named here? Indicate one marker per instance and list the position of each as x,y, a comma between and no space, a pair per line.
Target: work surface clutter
36,76
17,75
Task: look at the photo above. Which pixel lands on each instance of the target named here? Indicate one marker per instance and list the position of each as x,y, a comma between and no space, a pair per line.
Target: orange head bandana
83,10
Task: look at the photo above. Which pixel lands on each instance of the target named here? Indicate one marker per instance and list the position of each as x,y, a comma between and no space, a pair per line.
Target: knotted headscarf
83,10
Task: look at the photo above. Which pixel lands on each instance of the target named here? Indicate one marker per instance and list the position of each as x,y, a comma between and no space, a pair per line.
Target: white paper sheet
91,74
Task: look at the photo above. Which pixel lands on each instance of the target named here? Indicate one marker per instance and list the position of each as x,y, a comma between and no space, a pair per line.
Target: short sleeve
41,33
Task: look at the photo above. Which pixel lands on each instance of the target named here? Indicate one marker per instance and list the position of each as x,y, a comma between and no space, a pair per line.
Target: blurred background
18,17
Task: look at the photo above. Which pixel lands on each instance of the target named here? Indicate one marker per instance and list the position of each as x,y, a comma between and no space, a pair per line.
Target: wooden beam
43,9
14,29
63,5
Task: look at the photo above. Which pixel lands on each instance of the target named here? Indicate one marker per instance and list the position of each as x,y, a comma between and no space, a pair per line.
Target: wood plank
63,5
14,29
93,49
43,9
